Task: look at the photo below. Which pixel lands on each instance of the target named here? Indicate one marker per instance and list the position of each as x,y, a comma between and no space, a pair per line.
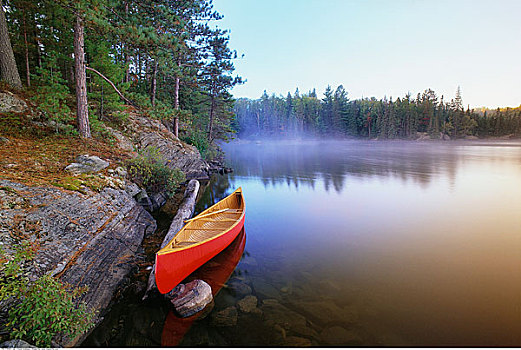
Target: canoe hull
172,268
216,273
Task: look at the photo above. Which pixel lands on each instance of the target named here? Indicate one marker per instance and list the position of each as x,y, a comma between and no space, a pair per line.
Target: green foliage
42,309
103,99
198,138
304,114
162,110
51,94
169,52
150,171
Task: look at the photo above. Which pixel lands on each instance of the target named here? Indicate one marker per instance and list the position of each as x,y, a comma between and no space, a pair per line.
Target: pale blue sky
377,48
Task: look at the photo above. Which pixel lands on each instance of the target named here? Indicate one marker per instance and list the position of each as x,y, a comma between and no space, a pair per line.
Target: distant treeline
403,118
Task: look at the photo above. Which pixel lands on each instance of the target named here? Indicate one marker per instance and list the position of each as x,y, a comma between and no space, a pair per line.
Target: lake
367,243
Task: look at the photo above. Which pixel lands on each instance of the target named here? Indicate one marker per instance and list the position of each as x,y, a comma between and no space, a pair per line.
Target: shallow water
371,243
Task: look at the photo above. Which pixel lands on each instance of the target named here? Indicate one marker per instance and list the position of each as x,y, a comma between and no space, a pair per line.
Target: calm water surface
372,243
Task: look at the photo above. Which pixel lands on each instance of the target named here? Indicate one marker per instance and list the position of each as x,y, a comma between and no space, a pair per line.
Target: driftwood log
185,211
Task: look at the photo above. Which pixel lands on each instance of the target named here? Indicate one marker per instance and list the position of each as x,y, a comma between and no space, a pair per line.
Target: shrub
39,310
149,170
199,139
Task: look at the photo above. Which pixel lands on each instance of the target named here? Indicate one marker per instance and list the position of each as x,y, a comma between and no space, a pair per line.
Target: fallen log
185,211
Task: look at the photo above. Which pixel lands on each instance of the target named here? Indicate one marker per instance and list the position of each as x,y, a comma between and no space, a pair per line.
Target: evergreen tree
8,69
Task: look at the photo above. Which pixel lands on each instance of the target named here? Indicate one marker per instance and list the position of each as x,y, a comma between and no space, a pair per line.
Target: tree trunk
38,53
153,86
27,70
101,104
176,106
138,65
8,70
82,111
210,125
127,65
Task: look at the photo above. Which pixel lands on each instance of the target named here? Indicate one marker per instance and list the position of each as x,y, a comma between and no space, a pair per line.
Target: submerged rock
297,342
277,314
225,318
239,288
249,305
265,290
188,299
339,336
324,312
87,164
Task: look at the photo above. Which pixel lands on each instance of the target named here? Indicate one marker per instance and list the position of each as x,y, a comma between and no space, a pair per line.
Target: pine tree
8,69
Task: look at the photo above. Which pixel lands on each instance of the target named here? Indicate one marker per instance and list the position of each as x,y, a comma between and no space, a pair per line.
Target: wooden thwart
205,229
227,210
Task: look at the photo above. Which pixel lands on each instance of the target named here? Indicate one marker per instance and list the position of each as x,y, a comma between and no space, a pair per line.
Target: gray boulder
87,164
92,241
10,103
145,133
17,343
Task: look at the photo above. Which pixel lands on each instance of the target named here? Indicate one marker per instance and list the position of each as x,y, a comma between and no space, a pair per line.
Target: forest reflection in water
356,243
420,241
305,162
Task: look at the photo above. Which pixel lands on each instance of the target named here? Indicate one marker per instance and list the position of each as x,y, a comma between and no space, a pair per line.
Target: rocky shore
90,237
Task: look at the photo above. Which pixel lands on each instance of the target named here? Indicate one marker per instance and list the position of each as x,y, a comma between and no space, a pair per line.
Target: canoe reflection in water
215,272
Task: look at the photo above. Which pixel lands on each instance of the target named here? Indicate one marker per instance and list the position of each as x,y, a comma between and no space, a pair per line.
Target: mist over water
355,243
419,240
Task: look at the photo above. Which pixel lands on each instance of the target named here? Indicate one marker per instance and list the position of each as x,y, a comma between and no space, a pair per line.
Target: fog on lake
415,243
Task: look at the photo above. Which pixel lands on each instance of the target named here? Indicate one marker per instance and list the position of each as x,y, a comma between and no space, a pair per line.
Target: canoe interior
208,224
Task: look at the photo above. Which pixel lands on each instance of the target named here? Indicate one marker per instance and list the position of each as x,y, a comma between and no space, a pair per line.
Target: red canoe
216,273
202,238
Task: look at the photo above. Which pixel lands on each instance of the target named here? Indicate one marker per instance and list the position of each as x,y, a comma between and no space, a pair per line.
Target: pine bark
176,106
82,111
8,70
127,59
153,87
27,69
212,112
38,53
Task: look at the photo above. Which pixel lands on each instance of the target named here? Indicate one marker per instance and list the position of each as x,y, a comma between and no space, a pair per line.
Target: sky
378,48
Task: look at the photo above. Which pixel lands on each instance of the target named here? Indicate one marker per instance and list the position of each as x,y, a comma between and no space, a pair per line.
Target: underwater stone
248,304
339,336
239,289
225,318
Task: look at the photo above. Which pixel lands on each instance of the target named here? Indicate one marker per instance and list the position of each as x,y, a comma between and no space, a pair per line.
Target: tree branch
113,86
